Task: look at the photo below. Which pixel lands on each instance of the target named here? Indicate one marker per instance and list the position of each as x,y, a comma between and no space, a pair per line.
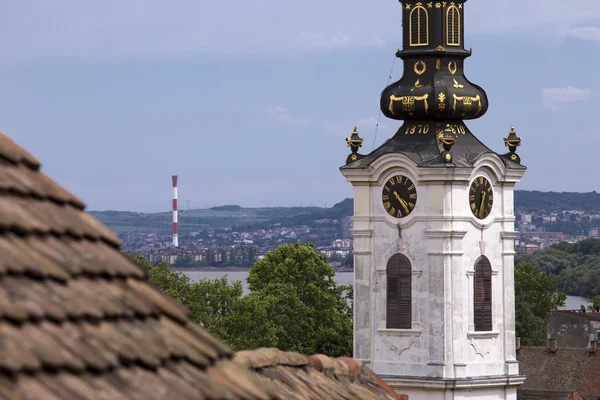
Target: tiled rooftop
294,376
559,374
78,320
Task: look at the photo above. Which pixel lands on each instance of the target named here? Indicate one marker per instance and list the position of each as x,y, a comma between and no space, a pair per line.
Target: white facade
441,356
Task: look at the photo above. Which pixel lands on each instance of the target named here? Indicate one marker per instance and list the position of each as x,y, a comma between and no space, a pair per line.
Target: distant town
228,248
235,237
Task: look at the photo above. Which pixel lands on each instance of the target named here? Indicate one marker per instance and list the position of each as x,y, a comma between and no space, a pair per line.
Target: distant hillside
526,200
222,217
241,218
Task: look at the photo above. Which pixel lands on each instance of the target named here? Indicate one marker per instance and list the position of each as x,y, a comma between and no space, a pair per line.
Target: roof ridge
11,151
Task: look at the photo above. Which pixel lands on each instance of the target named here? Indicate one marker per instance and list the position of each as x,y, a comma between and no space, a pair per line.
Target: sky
249,103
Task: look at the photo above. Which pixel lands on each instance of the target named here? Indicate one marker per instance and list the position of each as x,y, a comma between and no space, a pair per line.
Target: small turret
447,139
354,142
512,142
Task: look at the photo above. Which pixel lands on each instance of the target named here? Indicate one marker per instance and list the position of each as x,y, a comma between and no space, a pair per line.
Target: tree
594,302
208,300
535,296
295,304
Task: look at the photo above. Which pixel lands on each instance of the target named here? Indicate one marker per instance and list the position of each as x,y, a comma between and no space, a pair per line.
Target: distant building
526,218
569,366
573,328
593,233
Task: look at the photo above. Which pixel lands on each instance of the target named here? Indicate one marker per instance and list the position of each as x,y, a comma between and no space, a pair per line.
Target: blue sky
250,102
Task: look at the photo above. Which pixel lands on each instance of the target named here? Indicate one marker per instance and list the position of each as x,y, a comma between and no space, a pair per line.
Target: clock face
399,196
481,197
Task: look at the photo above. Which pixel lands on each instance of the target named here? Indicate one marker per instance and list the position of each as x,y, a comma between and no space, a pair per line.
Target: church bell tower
433,227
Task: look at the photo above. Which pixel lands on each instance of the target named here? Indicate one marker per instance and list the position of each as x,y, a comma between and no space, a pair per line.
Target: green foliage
535,296
208,300
594,302
227,208
526,200
575,266
295,303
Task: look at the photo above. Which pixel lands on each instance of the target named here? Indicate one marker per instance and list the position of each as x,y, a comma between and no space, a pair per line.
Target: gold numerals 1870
481,197
399,196
421,129
456,129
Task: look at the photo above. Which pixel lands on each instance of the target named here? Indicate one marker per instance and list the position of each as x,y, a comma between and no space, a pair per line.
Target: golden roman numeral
391,182
472,206
399,214
385,197
411,187
399,179
387,205
411,205
412,196
405,180
392,211
472,197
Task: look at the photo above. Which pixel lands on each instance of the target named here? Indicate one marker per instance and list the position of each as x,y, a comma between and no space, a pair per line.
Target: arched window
483,295
453,26
419,26
399,296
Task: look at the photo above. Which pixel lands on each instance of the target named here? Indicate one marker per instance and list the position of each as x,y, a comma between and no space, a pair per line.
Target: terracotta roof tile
295,376
78,319
14,153
560,373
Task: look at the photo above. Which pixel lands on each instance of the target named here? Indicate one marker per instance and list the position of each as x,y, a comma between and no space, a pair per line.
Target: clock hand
402,202
397,196
481,209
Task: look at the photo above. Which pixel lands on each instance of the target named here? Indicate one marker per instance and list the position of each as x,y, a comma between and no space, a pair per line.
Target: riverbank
213,269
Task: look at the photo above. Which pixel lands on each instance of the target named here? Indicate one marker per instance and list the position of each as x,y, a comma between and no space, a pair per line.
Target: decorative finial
354,142
447,139
512,142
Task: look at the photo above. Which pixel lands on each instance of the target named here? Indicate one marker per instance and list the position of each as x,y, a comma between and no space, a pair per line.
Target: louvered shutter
423,28
399,295
393,277
483,295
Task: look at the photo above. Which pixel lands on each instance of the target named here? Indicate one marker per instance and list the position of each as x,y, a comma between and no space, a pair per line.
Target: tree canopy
535,296
575,266
294,303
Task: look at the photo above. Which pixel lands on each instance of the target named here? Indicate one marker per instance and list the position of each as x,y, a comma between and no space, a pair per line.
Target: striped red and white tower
175,223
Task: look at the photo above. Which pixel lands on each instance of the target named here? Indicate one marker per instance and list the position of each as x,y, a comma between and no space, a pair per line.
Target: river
342,278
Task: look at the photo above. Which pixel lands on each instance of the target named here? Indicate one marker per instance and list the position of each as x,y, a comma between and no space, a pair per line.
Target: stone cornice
435,234
509,235
449,383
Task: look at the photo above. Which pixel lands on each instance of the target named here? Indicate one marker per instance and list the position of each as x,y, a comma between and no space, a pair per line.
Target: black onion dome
433,85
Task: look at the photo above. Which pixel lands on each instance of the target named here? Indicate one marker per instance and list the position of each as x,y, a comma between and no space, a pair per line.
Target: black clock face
481,197
399,196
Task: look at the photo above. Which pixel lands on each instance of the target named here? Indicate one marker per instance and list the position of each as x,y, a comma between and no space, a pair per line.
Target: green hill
235,216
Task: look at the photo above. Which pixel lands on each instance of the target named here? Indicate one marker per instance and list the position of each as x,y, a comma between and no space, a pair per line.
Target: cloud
556,98
117,29
586,33
365,127
316,41
280,114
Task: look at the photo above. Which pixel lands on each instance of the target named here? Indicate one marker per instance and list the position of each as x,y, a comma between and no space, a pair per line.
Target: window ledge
483,335
399,332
